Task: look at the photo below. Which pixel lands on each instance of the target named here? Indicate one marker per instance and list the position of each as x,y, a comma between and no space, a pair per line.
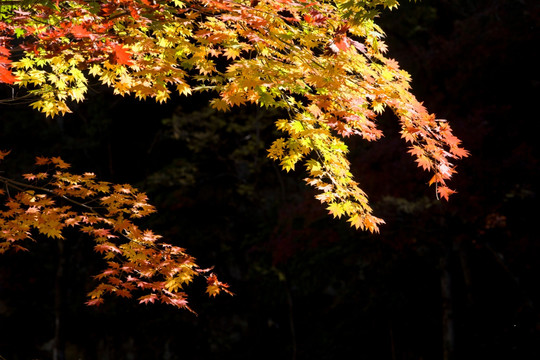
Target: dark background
442,279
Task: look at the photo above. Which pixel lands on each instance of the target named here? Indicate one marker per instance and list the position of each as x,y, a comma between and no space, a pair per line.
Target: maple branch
10,2
117,15
24,99
23,187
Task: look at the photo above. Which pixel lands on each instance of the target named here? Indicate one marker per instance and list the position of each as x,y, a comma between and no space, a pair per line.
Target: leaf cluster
47,202
321,61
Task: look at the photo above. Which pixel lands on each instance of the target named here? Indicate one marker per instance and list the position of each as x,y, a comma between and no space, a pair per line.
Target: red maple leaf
4,51
123,293
148,299
79,32
121,56
6,76
108,9
94,302
342,43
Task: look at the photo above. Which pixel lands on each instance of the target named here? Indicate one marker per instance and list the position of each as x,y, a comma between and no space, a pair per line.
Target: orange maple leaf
214,286
444,192
459,152
59,163
3,154
42,160
424,162
342,43
121,56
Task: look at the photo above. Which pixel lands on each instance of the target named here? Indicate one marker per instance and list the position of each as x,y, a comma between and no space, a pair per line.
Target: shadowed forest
442,280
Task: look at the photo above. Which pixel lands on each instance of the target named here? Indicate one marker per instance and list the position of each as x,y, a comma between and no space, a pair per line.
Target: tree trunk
59,343
447,316
291,320
392,340
466,270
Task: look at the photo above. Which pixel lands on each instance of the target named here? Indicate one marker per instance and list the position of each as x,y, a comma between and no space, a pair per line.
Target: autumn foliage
323,62
138,262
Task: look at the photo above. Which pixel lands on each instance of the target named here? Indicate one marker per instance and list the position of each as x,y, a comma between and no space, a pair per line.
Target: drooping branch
324,61
137,260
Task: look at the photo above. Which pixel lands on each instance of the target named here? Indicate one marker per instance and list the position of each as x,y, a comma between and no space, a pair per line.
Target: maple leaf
214,286
42,160
121,56
95,302
336,209
444,192
341,43
3,154
80,32
51,230
4,51
177,300
315,110
123,293
459,152
220,104
59,163
6,76
356,221
232,53
173,285
371,223
147,299
213,290
29,177
424,162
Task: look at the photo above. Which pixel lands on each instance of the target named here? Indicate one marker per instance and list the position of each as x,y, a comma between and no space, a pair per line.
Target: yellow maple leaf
232,53
219,104
336,209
